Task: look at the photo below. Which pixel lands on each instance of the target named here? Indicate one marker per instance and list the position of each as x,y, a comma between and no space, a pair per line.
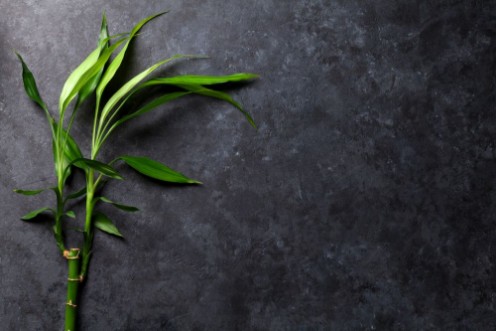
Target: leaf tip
18,55
252,123
162,13
253,76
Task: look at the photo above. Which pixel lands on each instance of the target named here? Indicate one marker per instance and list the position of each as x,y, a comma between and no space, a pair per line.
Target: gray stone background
366,200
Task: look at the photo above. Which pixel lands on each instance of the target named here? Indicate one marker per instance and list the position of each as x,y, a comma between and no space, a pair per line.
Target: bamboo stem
88,226
59,238
73,281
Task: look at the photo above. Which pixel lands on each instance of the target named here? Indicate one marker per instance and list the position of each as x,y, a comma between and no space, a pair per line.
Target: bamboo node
74,279
67,254
70,304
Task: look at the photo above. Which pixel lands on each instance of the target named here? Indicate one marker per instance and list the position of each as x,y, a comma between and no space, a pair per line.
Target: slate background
365,201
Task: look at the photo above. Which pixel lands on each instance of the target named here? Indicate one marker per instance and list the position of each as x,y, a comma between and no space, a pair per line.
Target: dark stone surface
366,201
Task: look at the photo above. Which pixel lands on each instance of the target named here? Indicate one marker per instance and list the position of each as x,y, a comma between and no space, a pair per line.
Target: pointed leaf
84,72
116,63
102,168
151,105
29,192
60,164
119,205
203,80
71,148
181,82
157,170
197,89
71,153
30,84
71,214
35,213
102,222
90,87
76,75
33,93
126,88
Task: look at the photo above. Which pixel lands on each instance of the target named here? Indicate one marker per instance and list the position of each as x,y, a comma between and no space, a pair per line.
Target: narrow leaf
116,63
60,164
70,214
29,192
182,82
102,168
126,88
86,70
157,170
203,80
103,43
151,105
197,89
35,213
71,152
119,205
102,222
30,84
33,93
71,148
76,75
103,38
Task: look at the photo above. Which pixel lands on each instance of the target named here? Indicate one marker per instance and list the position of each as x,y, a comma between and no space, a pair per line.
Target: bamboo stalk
73,281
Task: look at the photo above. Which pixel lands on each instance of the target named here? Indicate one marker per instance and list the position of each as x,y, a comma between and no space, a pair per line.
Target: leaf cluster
91,78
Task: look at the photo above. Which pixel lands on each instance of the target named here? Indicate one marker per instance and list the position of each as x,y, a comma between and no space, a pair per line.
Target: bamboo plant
91,78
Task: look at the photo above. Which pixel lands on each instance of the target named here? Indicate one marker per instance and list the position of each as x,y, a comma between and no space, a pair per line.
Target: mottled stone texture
366,200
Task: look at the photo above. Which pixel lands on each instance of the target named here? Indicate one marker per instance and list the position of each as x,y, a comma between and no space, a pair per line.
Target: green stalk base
73,281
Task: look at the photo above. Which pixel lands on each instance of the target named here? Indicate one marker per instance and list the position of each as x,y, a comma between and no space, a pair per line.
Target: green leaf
75,76
84,72
32,91
150,106
102,222
157,170
197,89
119,205
103,43
70,214
102,168
116,63
71,152
29,192
203,80
77,194
30,84
60,164
71,148
187,83
126,88
35,213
